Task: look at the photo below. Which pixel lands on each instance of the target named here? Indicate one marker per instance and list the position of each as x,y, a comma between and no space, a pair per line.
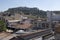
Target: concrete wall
57,36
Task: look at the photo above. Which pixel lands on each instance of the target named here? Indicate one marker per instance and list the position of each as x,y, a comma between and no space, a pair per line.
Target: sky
41,4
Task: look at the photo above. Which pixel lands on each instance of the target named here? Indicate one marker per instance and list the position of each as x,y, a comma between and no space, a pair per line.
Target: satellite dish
20,31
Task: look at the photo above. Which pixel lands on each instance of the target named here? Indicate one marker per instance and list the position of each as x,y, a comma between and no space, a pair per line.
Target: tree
2,26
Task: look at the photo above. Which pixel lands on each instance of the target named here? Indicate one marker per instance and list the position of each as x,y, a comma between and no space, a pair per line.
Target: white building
51,16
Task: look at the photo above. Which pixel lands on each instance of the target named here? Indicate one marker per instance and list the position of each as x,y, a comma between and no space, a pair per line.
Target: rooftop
21,26
35,34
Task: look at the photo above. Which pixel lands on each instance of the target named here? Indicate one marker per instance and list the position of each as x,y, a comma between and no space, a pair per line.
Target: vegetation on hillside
2,26
27,11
